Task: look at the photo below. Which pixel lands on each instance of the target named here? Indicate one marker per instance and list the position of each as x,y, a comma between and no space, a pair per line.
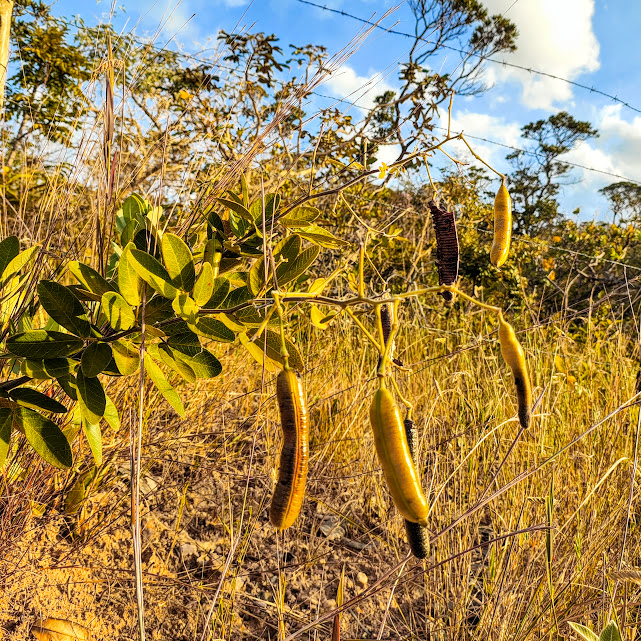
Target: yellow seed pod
396,459
502,226
294,456
515,357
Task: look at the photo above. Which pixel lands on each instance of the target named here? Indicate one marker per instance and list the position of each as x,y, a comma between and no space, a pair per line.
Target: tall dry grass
207,479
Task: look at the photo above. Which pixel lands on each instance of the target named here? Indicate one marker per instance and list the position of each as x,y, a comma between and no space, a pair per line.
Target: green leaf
118,311
288,248
220,291
272,349
287,272
185,307
158,309
204,364
40,343
245,189
111,414
126,356
237,207
95,359
237,296
68,384
152,272
165,354
214,329
91,396
29,397
57,367
159,380
239,226
45,437
179,262
6,421
129,283
135,206
9,249
17,263
34,369
63,307
258,355
610,632
320,236
94,438
586,633
319,319
75,497
89,278
300,217
256,280
272,203
204,287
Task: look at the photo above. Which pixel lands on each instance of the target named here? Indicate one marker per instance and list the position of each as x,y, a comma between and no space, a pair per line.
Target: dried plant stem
6,9
135,445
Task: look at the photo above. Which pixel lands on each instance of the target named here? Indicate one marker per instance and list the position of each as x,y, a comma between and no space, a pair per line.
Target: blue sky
592,42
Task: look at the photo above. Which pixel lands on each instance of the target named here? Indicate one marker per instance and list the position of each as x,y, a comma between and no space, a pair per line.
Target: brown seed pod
418,536
515,357
294,455
395,458
447,249
387,314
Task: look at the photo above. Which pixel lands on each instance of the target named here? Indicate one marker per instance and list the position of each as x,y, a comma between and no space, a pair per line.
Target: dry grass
207,480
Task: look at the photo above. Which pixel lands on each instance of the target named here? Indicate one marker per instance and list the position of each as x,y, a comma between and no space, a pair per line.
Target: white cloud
616,150
555,36
484,126
345,83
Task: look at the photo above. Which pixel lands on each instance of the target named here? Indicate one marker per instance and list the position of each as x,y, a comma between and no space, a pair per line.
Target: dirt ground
209,551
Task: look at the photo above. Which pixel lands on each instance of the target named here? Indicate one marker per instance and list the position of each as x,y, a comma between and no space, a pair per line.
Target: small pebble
361,577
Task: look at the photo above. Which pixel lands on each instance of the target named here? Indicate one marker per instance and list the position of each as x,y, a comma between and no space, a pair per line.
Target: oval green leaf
152,272
45,437
158,378
204,287
179,262
40,343
29,397
95,359
63,307
118,311
91,396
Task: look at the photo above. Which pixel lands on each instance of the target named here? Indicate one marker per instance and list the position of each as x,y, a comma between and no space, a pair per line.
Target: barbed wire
488,140
504,63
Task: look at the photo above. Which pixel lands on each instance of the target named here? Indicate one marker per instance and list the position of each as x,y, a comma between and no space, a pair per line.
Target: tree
45,97
539,173
625,201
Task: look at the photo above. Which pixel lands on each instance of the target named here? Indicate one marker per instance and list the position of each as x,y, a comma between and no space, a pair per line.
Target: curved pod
418,536
515,357
294,456
396,459
502,226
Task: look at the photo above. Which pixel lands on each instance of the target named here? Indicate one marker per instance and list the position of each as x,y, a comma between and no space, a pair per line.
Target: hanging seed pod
515,357
294,455
502,226
387,319
418,536
447,249
395,458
